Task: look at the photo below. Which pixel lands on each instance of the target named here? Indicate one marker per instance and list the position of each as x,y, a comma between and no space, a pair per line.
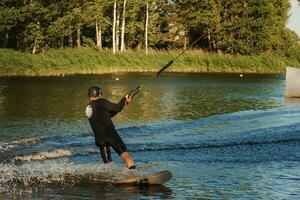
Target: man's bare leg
127,159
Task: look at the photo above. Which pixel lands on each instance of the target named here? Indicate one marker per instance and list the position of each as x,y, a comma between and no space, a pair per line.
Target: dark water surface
221,135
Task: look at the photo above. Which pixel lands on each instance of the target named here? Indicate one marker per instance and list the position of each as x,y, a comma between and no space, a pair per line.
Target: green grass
60,62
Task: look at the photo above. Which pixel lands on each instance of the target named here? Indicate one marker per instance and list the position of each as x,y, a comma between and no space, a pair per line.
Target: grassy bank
90,61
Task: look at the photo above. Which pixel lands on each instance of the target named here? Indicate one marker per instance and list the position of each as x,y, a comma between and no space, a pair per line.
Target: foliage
237,27
88,42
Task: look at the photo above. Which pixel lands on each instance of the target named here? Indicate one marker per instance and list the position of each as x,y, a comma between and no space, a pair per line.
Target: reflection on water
96,192
55,105
292,101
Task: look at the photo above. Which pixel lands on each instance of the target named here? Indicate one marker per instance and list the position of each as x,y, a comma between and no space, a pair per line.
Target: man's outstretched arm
115,108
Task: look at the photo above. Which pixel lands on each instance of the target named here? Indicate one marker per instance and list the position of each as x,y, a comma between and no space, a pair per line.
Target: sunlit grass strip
89,61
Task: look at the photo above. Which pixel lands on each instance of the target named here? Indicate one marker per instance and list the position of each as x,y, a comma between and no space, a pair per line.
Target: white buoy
292,85
117,79
241,75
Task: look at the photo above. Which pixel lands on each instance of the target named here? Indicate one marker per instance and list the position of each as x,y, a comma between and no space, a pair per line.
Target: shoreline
125,72
88,61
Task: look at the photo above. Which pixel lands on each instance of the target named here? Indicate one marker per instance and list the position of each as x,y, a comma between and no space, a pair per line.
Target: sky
294,20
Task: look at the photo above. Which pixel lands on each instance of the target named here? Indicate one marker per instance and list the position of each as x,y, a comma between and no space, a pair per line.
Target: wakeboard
157,178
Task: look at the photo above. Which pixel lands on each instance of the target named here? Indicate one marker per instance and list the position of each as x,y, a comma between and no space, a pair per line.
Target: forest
243,27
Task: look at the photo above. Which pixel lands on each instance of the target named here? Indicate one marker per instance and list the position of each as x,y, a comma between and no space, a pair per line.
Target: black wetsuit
99,113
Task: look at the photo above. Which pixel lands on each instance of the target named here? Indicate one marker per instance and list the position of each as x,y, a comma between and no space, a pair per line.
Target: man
99,112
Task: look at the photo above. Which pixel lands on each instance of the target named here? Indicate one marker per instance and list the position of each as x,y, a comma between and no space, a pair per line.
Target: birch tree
98,34
114,27
146,27
118,28
95,17
123,26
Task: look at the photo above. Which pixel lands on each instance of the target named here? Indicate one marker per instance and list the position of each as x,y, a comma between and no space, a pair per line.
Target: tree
70,22
95,17
8,20
146,27
184,20
123,26
236,27
33,38
114,27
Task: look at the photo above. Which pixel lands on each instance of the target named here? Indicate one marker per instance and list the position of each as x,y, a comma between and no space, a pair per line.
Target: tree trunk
209,40
118,30
114,28
35,47
61,43
123,27
6,39
185,38
78,38
36,42
146,28
98,35
70,41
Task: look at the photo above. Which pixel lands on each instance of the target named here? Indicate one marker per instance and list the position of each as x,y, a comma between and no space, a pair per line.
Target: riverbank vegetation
99,36
92,61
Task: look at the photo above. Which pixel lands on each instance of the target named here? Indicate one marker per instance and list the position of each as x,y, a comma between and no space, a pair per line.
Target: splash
63,173
43,155
17,143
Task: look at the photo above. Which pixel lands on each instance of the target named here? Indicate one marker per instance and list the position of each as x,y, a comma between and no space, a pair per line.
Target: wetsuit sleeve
113,113
114,108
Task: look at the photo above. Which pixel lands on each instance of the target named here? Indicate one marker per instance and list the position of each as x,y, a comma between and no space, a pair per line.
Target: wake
248,136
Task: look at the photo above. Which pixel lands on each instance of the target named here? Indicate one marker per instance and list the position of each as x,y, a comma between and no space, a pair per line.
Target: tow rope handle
135,91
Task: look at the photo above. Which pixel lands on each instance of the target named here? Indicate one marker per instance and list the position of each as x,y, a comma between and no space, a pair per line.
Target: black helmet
94,91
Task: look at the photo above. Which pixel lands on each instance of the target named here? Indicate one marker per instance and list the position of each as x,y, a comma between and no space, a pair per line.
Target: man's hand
128,98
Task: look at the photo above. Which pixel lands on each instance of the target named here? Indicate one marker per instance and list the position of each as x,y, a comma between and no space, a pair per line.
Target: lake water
221,135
